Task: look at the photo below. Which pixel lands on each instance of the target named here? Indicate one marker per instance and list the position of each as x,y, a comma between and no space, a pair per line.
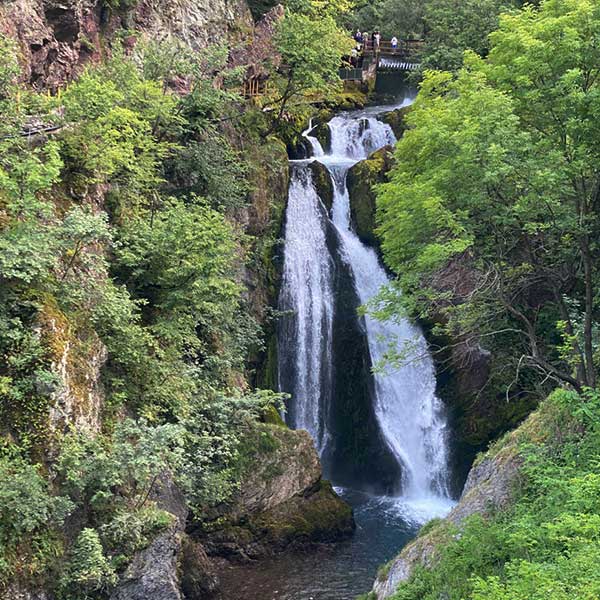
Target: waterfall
410,416
306,295
314,142
408,411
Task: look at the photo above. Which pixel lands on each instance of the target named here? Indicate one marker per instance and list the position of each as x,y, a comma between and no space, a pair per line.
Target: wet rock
314,517
470,378
323,134
362,179
323,183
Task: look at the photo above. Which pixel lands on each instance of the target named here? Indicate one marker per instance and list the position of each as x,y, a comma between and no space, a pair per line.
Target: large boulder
282,502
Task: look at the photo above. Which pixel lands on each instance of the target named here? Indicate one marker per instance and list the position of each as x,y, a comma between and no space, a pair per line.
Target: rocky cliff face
57,38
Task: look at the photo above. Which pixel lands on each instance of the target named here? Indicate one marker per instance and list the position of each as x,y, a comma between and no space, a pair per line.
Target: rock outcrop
492,485
362,179
323,183
153,572
471,379
57,38
282,502
77,396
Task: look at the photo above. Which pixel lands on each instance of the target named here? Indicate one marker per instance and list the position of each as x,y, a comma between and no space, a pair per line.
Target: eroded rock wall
57,38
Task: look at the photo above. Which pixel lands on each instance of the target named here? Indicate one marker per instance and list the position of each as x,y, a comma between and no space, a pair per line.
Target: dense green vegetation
490,215
498,177
547,544
121,257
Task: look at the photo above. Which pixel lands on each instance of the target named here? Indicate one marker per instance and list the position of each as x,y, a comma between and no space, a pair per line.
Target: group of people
362,42
363,38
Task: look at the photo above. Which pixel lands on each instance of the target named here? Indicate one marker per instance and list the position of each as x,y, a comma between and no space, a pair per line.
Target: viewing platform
383,58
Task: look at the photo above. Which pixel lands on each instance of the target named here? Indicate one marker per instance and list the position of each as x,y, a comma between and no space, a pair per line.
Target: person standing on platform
376,41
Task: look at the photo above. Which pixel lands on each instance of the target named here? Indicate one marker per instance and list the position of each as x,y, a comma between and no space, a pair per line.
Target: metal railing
351,74
404,49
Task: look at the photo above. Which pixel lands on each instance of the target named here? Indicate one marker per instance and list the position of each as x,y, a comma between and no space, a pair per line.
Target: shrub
88,573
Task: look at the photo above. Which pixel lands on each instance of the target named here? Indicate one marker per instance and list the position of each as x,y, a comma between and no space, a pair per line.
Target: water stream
326,354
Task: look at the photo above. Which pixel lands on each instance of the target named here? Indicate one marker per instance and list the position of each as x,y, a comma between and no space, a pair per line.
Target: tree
311,51
500,170
391,17
453,26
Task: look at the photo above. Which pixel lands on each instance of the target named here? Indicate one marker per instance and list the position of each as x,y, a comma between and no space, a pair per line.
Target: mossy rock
271,416
362,179
323,134
318,516
323,183
396,119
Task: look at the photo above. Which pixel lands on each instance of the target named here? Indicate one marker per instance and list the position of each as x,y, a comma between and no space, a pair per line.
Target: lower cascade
408,416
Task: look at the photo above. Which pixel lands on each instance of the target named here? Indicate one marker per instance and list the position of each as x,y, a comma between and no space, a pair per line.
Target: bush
88,573
26,504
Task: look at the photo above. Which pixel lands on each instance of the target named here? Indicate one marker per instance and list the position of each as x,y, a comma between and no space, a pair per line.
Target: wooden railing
254,87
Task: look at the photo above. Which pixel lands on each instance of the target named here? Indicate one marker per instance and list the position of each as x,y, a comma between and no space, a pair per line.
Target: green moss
362,179
322,516
272,417
323,183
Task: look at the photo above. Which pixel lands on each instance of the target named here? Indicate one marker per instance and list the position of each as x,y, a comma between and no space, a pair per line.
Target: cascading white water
408,412
307,293
314,142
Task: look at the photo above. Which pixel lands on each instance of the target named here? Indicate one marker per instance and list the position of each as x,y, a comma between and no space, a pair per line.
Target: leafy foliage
311,49
26,503
453,26
499,174
88,571
546,545
116,235
390,17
